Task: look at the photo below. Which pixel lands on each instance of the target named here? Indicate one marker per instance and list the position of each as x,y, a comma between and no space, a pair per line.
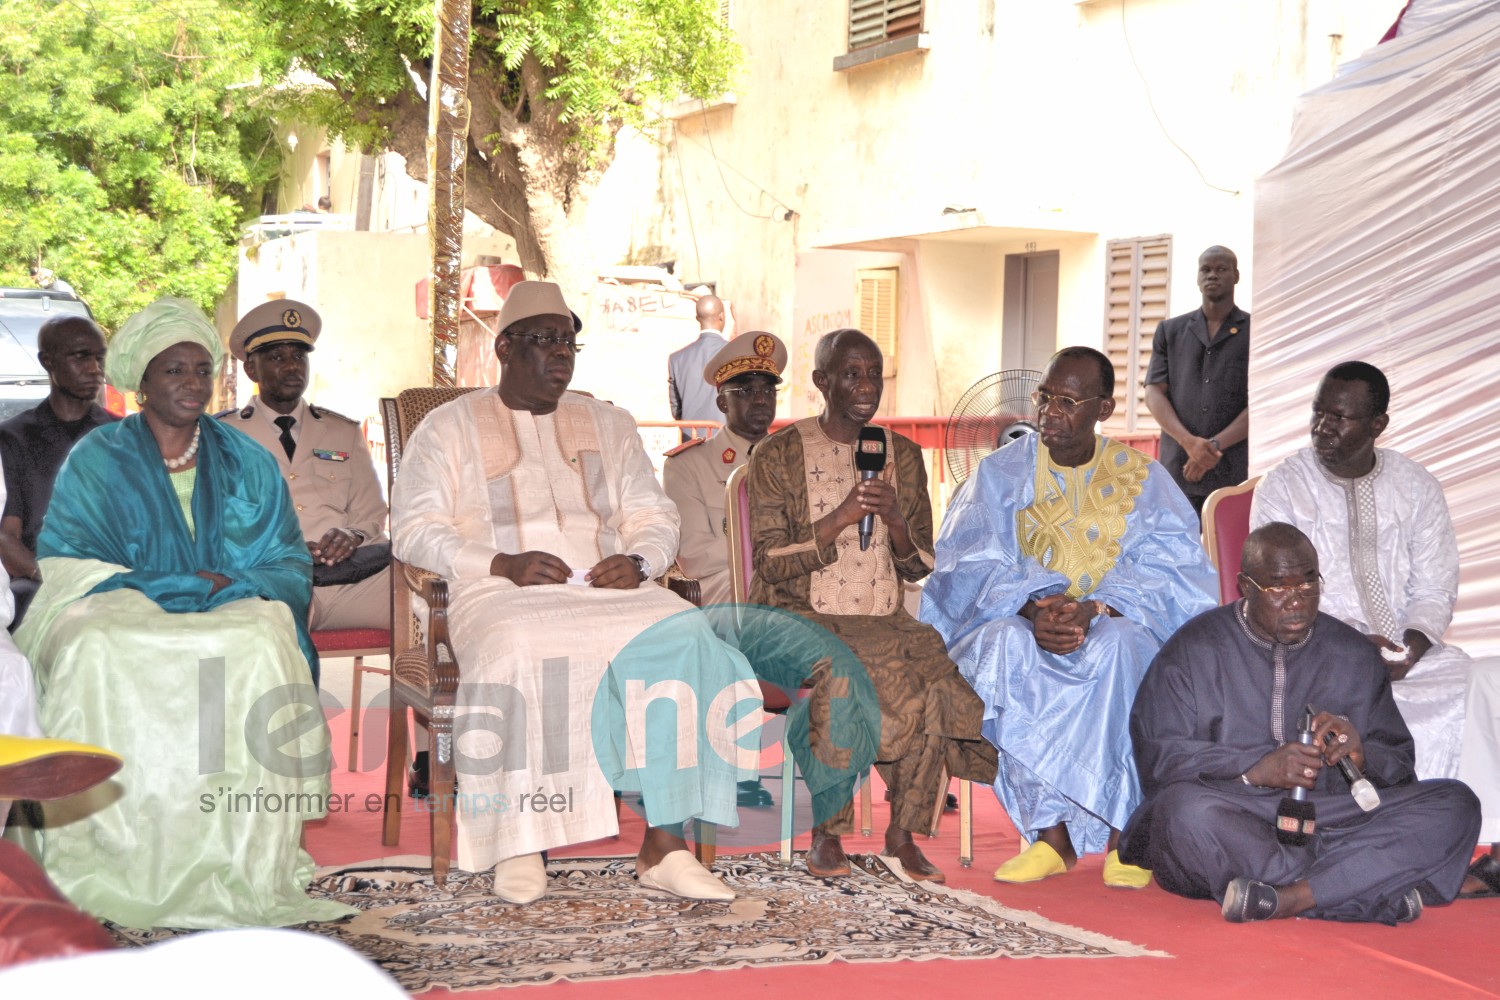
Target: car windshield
20,320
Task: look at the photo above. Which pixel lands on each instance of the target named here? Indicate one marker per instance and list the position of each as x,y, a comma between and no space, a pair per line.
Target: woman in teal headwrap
172,629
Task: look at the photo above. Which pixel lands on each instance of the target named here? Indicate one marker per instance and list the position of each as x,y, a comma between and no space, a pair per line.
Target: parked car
23,381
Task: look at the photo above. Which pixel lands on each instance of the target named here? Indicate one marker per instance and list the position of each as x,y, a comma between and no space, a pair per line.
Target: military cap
280,321
753,353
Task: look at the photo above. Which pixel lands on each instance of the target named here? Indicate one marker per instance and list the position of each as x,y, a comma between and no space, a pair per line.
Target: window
880,29
1138,274
874,21
875,297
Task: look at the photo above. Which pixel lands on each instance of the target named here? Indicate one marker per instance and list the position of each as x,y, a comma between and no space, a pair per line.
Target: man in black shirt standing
33,444
1197,387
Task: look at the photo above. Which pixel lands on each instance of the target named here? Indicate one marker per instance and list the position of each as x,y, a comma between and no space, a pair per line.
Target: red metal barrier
930,434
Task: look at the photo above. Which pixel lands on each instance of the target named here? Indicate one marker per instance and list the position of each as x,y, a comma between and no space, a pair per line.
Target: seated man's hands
1417,645
532,569
218,580
1291,765
615,572
1058,622
334,547
1345,742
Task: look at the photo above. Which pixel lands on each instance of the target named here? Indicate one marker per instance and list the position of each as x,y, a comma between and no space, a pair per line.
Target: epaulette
319,412
245,414
689,443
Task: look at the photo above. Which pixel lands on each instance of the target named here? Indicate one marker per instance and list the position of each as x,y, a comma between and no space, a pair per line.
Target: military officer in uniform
326,464
744,374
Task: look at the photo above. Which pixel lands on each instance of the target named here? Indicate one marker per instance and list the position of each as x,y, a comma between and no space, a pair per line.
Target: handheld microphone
1359,786
869,459
1297,818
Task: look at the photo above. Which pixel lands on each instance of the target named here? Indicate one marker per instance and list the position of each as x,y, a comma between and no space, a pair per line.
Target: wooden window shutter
1138,276
874,21
724,12
876,296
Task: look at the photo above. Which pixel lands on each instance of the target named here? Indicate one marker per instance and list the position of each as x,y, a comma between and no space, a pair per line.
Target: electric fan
994,411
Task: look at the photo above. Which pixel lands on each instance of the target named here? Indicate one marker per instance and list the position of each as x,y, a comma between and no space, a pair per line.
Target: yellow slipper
1122,876
1032,865
44,769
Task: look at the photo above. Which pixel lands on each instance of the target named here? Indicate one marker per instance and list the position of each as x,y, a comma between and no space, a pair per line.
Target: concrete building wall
1040,125
363,286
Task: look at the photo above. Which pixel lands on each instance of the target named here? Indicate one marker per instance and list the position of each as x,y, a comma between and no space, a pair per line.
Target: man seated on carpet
1065,562
1215,727
541,508
1390,557
806,505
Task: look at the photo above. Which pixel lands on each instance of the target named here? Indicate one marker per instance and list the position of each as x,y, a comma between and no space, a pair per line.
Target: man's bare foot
657,844
826,857
899,845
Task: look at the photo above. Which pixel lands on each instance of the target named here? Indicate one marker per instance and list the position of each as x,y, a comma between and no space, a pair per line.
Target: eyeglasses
548,341
752,392
1066,404
1280,594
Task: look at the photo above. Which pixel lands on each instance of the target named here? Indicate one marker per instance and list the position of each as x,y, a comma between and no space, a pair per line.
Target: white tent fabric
1377,238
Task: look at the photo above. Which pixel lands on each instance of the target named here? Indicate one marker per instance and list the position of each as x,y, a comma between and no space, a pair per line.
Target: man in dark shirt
1197,387
33,444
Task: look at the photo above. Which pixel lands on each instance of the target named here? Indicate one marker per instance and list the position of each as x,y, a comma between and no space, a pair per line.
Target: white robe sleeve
1432,585
649,523
436,525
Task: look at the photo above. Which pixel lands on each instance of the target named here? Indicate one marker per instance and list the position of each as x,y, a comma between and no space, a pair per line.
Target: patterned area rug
598,922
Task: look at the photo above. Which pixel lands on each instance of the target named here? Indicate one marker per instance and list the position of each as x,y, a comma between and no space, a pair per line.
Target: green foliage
604,62
133,145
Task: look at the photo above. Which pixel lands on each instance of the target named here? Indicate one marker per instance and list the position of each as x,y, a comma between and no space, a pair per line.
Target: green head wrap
152,330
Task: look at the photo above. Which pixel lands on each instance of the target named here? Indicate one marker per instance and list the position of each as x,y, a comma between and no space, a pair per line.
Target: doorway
1030,330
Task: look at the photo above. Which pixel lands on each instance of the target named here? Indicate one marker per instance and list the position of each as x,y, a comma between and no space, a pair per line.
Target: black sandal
1487,870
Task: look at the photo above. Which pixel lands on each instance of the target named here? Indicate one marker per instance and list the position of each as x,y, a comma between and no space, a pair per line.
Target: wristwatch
642,566
1215,443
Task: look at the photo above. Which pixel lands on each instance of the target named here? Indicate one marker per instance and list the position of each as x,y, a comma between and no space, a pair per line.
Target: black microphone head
869,450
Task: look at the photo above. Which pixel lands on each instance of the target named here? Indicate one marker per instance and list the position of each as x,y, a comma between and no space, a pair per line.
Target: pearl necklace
176,463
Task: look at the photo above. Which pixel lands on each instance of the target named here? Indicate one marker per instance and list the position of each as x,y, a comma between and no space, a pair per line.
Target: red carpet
1449,952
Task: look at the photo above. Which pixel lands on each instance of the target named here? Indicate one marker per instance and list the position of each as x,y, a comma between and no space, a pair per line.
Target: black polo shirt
1208,383
33,445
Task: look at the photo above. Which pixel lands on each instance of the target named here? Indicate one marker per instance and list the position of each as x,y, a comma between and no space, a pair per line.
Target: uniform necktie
290,446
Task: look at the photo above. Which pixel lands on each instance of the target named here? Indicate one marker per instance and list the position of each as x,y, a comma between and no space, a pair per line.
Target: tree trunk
524,173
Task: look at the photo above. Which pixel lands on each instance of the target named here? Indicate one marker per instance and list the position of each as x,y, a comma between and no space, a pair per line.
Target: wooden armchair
424,670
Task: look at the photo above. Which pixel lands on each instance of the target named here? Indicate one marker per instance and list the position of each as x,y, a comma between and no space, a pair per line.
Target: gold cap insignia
291,319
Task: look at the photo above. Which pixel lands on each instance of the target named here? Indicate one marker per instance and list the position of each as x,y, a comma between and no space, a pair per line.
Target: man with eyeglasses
1064,563
1198,388
1391,559
1215,728
744,375
540,507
